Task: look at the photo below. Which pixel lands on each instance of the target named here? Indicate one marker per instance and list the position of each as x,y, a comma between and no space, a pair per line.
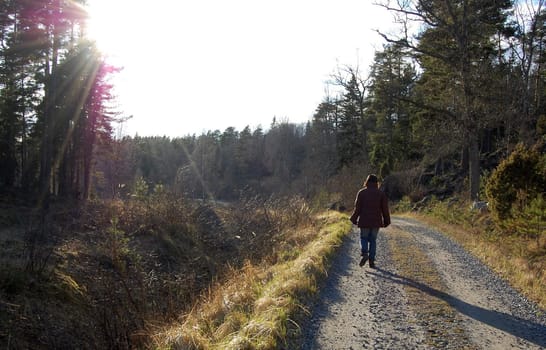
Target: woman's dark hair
370,179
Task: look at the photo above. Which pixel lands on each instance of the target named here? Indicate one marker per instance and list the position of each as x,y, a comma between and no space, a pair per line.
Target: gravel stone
364,308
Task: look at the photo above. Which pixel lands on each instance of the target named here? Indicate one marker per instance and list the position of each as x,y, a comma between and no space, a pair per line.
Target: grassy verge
256,307
110,272
520,260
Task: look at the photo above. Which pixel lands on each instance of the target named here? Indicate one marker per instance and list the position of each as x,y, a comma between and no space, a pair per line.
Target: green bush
517,180
403,205
531,221
453,211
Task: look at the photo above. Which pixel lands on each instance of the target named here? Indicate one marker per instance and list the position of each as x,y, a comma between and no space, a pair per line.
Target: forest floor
426,292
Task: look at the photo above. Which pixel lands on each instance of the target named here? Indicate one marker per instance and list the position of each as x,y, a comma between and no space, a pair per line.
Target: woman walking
371,212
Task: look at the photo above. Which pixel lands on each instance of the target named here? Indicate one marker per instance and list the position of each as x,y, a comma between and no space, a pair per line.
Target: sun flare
172,51
112,25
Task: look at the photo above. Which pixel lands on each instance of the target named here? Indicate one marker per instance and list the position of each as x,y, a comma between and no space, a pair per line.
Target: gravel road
427,292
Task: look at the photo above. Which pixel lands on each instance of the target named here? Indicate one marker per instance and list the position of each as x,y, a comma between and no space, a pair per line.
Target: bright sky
194,66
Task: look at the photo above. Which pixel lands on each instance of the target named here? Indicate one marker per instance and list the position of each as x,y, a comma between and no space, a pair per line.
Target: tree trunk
45,157
474,166
464,159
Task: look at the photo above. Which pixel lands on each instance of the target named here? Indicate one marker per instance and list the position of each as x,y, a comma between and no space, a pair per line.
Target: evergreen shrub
530,221
515,182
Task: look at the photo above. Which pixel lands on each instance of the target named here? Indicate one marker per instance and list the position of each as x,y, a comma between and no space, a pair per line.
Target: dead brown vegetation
107,274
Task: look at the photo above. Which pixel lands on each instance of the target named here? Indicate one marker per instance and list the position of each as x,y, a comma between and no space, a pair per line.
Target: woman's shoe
363,260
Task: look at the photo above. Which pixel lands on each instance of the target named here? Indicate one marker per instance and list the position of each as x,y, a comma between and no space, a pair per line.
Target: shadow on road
518,327
330,293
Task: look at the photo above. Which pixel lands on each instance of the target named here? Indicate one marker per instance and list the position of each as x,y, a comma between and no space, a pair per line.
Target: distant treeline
454,97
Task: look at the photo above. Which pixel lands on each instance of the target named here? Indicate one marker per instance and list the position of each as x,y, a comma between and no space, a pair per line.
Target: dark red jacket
371,208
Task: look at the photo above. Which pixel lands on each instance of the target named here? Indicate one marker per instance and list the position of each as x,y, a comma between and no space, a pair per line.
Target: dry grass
257,305
123,269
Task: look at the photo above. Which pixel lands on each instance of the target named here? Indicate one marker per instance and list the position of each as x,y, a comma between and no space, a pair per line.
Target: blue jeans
368,236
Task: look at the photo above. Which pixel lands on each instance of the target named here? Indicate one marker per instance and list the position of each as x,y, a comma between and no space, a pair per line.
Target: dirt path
426,293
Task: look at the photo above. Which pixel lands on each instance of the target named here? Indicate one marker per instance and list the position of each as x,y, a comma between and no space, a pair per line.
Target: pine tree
391,82
456,48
